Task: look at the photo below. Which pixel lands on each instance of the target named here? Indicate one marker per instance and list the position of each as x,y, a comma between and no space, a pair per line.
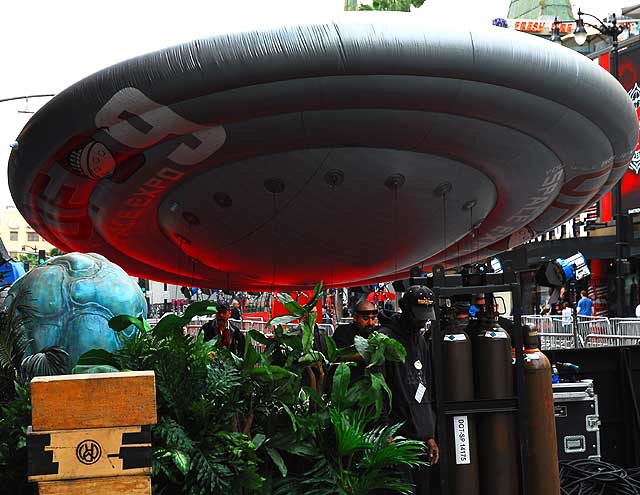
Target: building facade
18,236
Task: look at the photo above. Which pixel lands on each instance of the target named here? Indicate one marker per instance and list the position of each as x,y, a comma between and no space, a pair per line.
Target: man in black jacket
364,322
410,382
230,336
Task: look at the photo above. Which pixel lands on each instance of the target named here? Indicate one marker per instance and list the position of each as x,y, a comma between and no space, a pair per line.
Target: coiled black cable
590,477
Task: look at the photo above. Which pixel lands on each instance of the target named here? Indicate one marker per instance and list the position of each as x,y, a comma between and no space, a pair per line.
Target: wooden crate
98,400
90,433
120,485
89,453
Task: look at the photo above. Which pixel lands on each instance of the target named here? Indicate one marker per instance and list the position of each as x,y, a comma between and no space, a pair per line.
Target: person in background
236,314
567,317
326,316
345,311
410,382
585,305
365,319
230,336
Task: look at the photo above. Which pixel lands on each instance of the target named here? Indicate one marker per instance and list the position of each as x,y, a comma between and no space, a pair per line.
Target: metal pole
13,98
576,340
522,414
441,415
622,246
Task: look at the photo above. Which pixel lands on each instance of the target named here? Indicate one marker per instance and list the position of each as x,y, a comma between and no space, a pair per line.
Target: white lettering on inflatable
543,194
568,229
135,120
634,94
211,140
134,207
583,225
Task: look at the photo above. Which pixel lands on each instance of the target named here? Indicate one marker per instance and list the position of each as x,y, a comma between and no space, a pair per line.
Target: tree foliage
392,5
30,258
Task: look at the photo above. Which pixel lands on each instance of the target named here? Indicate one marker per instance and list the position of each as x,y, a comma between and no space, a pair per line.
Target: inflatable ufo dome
346,151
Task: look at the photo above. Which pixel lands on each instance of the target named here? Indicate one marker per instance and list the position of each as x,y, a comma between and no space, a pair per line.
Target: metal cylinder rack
517,405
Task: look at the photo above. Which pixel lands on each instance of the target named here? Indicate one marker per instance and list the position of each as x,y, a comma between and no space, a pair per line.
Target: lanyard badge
421,387
420,392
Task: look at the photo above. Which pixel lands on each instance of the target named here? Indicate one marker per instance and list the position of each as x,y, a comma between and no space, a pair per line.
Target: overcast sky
46,46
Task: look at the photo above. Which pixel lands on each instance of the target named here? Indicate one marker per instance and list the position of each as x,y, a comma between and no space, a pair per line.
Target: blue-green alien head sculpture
72,298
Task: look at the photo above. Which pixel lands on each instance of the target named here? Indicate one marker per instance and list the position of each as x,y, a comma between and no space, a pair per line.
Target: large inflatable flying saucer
345,151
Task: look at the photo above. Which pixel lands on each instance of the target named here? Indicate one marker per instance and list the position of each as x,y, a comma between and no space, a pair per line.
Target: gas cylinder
498,447
542,454
463,453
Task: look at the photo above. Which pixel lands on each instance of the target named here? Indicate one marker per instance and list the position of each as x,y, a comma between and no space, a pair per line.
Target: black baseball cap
420,299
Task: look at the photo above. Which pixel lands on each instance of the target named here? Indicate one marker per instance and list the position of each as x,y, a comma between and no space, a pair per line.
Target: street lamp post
621,217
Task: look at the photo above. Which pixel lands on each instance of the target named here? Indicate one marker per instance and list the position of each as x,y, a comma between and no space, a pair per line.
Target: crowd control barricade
584,331
192,330
254,318
259,326
553,333
595,331
244,325
627,329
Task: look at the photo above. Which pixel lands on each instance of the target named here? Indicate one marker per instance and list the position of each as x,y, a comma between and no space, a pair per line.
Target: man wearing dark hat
410,382
364,323
230,336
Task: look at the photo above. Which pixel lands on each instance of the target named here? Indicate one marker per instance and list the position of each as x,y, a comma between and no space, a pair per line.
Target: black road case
577,420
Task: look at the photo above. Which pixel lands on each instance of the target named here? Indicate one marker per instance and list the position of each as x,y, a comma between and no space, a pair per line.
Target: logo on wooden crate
88,452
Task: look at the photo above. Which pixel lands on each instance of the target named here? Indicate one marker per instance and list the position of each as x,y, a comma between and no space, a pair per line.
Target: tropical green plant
52,360
16,372
14,366
13,345
268,421
197,448
338,440
15,417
